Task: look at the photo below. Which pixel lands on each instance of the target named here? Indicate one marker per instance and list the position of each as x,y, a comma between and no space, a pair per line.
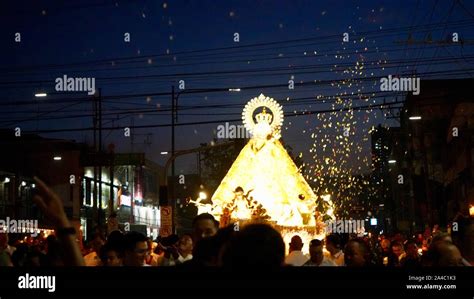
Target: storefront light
89,174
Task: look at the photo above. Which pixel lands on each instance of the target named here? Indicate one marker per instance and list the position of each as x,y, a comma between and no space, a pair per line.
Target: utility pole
173,112
131,185
199,164
111,176
179,153
94,162
99,218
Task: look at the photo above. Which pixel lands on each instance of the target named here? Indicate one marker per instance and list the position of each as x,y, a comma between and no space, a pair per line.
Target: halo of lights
268,103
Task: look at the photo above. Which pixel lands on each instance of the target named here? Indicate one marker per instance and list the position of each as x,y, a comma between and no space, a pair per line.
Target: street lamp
415,117
57,158
202,195
392,161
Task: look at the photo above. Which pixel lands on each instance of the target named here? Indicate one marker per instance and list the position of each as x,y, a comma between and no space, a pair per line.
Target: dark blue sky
193,41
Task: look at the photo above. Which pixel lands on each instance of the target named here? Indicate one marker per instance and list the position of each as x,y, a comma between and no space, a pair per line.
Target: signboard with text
166,227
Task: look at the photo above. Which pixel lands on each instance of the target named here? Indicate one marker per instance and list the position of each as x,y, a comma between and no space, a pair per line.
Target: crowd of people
255,245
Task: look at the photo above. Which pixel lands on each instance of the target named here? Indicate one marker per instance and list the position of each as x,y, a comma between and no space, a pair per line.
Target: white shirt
337,258
296,258
182,259
172,262
325,263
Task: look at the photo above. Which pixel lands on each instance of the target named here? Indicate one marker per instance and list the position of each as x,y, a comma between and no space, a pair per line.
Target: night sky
194,41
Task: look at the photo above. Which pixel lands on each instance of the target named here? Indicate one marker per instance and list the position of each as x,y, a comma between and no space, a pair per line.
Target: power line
358,108
336,37
285,71
426,75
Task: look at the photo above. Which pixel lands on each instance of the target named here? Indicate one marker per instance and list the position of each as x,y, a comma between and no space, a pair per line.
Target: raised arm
51,206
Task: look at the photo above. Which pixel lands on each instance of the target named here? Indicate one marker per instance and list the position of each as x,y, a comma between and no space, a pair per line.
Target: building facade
431,172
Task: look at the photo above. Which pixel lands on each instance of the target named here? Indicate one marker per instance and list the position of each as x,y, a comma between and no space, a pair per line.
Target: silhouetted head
316,251
111,255
357,253
204,225
397,248
444,254
411,249
385,244
116,238
97,243
208,251
464,238
333,243
135,249
185,245
442,236
296,244
256,246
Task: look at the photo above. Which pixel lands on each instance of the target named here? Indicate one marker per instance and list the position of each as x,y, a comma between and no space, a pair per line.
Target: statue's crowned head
264,117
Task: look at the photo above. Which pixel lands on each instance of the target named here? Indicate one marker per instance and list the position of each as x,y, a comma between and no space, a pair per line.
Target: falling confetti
337,142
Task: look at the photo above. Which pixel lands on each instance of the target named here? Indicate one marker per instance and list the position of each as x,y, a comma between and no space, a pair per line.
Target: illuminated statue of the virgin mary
264,167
